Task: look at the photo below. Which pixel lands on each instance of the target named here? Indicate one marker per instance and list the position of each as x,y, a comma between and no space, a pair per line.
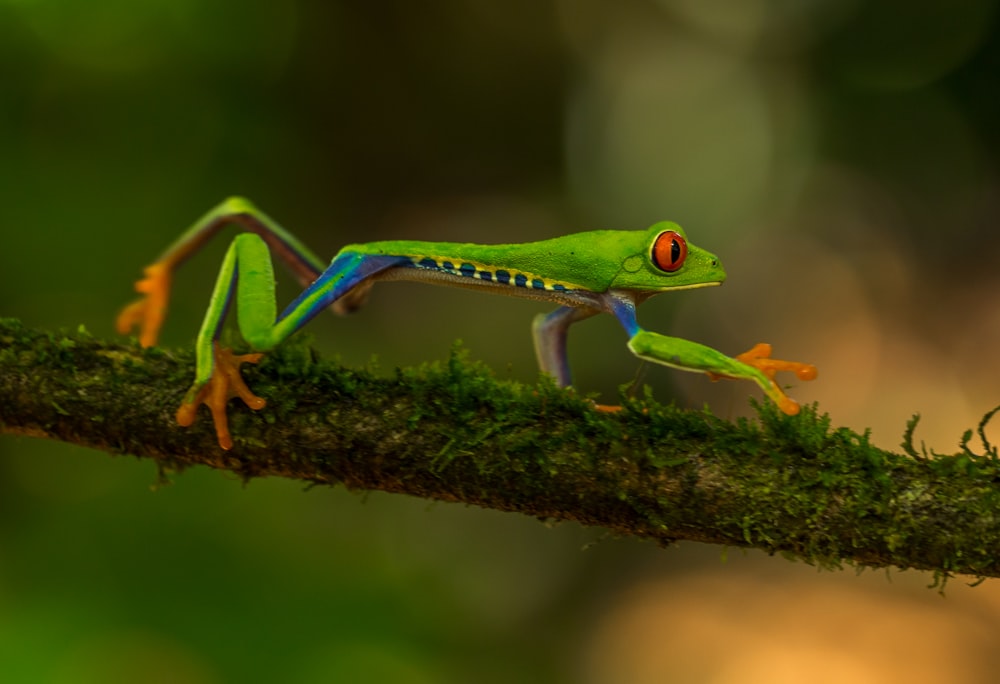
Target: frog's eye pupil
669,251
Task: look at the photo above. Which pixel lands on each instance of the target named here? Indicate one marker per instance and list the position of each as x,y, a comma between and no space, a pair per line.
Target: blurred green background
840,156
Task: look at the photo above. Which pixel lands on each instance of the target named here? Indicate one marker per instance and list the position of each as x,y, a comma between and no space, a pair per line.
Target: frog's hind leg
147,312
247,276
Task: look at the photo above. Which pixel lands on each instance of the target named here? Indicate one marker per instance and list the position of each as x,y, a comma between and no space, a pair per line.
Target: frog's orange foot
611,408
760,358
225,383
147,312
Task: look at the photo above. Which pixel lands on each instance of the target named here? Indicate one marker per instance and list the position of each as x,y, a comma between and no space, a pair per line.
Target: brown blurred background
840,156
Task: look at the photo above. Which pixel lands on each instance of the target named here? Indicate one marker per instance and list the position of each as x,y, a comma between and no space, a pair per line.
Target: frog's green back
596,260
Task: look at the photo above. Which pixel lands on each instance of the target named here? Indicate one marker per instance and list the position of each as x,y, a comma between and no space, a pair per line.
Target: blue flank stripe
503,277
486,275
467,270
521,280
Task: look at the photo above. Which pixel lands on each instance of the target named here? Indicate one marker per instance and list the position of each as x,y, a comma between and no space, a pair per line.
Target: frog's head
665,260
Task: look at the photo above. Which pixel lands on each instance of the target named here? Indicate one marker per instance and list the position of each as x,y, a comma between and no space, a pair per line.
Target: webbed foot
147,312
225,383
759,357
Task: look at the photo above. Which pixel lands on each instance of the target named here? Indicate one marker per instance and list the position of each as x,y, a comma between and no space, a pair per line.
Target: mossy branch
453,432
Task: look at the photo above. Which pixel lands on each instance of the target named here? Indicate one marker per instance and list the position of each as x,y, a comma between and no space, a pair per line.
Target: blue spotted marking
470,270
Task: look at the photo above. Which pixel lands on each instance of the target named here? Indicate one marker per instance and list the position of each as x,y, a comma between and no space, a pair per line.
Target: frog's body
567,263
587,273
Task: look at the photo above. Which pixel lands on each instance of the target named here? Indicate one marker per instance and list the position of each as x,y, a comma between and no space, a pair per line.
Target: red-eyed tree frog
610,271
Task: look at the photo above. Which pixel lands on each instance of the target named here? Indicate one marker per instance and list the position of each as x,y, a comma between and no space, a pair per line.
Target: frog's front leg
755,365
549,332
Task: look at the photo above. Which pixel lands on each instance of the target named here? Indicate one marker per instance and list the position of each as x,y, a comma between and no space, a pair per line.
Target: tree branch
453,432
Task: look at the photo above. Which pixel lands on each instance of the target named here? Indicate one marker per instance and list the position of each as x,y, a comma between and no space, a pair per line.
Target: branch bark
453,432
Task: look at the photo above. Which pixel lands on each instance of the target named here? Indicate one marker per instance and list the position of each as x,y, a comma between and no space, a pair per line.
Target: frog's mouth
689,286
695,286
642,295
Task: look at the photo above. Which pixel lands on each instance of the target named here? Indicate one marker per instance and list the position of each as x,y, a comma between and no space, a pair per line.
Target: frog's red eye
669,251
